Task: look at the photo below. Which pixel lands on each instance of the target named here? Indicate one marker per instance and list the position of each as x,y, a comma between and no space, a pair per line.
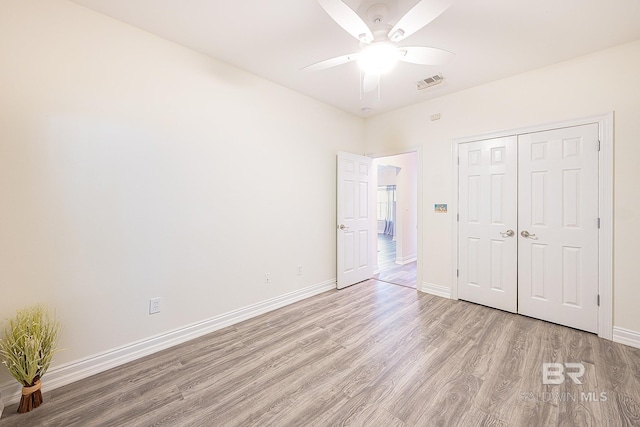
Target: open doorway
396,180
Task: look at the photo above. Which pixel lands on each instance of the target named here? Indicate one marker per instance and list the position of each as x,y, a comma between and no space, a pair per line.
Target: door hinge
598,223
457,273
599,143
458,160
458,217
598,300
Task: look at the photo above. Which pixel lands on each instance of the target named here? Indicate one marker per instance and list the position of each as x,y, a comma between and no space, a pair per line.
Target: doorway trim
605,206
418,150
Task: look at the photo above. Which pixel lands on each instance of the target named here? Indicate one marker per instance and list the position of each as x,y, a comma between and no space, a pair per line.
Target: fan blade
347,19
425,55
419,16
332,62
370,82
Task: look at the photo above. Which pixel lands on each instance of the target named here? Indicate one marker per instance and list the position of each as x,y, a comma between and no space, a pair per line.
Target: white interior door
558,219
488,223
355,228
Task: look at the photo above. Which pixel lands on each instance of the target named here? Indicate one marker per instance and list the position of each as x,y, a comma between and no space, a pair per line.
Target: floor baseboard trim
437,290
66,374
626,336
406,260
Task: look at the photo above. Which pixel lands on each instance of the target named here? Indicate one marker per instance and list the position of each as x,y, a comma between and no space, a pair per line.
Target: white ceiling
492,39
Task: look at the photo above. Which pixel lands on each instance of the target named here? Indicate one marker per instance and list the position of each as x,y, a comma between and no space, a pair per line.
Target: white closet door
487,244
558,226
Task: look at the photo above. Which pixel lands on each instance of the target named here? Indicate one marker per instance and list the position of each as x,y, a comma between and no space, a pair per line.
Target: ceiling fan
379,51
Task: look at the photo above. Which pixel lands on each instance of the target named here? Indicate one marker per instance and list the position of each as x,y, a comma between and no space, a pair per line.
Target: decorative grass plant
27,350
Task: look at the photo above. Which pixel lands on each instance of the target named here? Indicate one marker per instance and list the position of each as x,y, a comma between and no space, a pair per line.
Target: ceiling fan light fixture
378,58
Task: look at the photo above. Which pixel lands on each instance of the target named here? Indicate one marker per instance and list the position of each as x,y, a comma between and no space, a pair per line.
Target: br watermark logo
554,373
557,374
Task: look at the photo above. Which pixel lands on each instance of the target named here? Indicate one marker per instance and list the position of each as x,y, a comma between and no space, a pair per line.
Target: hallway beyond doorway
389,271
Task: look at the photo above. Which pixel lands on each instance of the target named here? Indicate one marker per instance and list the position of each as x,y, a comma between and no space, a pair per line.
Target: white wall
598,83
132,168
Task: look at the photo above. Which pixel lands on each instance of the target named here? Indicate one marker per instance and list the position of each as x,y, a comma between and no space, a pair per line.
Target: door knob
528,235
508,233
343,227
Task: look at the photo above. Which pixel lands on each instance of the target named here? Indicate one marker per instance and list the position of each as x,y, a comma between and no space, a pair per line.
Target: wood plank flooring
373,354
389,271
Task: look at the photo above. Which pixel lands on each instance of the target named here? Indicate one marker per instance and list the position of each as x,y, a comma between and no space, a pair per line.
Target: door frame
605,205
418,150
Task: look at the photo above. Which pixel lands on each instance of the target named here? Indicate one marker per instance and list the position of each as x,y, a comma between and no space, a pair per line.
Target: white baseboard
437,290
66,374
626,336
406,260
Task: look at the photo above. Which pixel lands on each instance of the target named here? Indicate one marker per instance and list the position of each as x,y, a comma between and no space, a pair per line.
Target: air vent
430,81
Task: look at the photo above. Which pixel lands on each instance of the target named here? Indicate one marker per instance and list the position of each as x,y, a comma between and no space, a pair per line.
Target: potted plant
27,350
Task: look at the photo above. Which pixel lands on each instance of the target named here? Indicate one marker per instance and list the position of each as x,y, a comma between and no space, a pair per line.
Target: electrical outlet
154,305
267,278
299,270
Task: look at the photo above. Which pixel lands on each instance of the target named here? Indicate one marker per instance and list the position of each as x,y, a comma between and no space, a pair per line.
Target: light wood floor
404,275
373,354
